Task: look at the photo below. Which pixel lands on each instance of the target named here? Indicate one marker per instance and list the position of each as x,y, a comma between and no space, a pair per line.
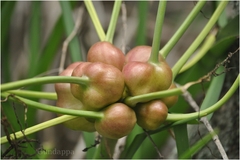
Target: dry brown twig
188,97
69,38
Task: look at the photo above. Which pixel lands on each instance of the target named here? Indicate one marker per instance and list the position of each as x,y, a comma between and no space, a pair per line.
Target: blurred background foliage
32,37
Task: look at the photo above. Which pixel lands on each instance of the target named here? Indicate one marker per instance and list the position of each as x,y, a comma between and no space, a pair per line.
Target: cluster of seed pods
113,76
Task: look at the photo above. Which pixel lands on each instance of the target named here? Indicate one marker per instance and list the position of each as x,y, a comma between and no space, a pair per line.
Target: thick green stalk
158,32
34,94
95,19
202,51
142,25
44,80
113,21
46,107
181,30
177,117
132,101
177,67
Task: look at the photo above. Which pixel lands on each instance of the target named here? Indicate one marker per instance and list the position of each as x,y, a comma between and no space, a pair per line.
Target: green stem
34,94
171,117
46,107
95,19
132,101
177,67
205,112
44,80
142,24
182,29
158,32
202,51
113,21
39,127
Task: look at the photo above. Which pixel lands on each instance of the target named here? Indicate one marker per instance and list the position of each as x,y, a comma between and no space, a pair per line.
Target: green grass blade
136,143
213,92
52,46
198,145
89,141
181,137
74,45
34,39
113,21
6,13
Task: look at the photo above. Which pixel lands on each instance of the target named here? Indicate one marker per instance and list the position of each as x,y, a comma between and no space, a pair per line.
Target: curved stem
171,117
113,21
95,19
39,127
181,30
178,117
132,101
202,51
158,32
30,103
177,67
34,94
44,80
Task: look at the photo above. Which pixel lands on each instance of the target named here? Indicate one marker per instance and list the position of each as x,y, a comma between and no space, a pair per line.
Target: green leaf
198,145
89,140
213,92
7,9
34,39
136,143
181,137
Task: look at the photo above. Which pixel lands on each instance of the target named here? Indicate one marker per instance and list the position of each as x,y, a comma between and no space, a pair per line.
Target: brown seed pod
65,99
151,115
106,85
144,77
118,121
106,52
141,54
